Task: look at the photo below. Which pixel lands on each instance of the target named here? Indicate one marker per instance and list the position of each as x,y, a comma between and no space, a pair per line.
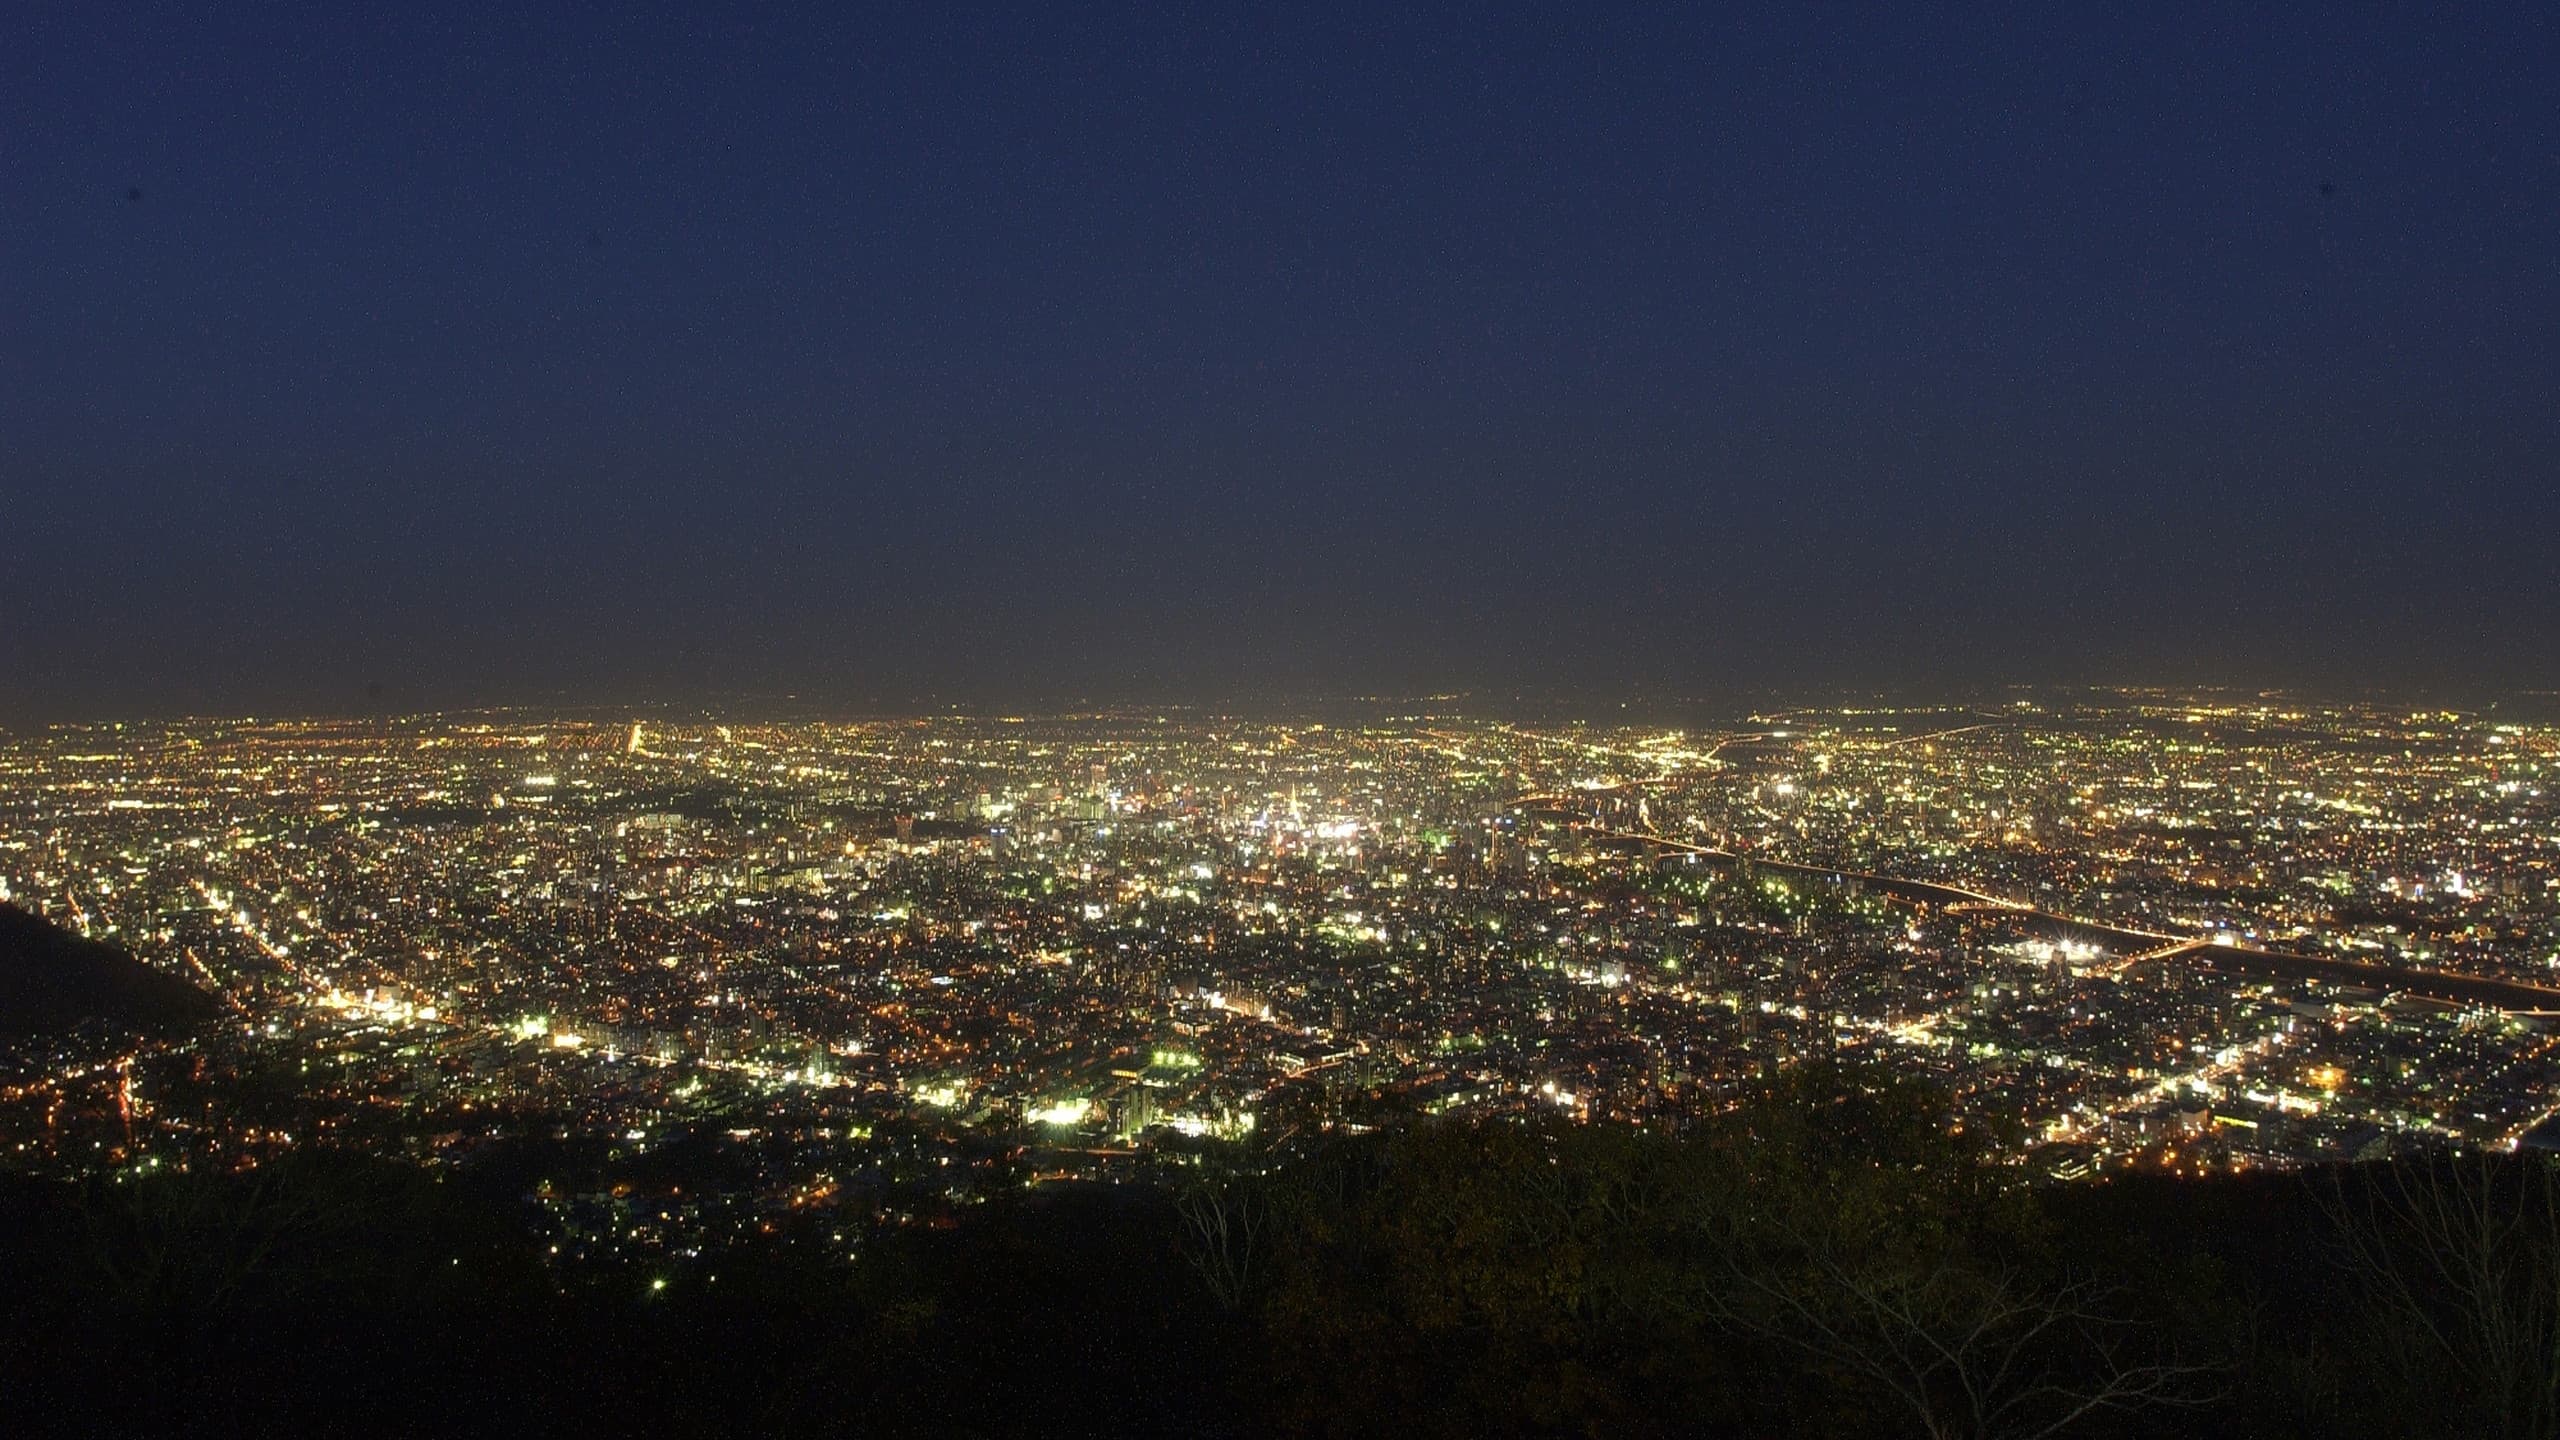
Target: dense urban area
2079,1063
731,979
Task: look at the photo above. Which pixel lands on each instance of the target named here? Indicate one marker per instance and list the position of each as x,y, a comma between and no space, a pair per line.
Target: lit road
2512,996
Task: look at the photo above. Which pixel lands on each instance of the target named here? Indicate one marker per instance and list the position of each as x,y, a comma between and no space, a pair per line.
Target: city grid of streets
705,981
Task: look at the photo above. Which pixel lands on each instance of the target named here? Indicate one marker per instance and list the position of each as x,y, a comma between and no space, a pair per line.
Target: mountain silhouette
51,980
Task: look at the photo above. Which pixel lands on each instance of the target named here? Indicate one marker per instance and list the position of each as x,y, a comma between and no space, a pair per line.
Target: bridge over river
2516,997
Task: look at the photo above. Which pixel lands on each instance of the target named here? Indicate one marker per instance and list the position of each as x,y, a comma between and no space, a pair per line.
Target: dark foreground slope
52,980
1829,1264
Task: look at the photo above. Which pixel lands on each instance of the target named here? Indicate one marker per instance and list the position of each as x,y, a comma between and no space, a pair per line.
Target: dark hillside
51,980
1829,1261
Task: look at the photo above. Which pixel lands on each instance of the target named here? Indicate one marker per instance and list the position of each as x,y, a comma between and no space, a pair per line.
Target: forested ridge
1831,1258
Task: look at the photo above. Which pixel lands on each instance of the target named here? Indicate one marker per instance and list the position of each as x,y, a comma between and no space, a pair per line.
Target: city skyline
2079,918
894,1055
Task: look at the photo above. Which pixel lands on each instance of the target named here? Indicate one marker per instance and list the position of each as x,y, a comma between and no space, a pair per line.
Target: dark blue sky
483,352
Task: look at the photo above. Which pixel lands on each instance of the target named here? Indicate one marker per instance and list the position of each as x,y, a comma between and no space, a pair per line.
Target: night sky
441,354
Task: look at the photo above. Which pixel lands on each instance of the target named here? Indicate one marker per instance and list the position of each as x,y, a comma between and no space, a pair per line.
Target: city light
2135,929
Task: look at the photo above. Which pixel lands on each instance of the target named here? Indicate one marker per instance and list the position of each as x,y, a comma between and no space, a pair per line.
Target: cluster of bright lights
376,1004
1061,1112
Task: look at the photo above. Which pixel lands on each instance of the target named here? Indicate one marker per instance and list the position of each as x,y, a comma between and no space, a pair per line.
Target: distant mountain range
51,980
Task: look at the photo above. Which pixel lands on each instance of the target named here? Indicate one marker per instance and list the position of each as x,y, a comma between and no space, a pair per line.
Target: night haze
486,354
1315,721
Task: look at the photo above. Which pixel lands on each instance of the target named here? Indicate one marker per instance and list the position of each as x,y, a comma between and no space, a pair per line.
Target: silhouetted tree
2458,1261
1227,1225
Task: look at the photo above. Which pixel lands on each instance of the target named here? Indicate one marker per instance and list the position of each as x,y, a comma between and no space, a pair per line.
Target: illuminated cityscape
738,977
1334,722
